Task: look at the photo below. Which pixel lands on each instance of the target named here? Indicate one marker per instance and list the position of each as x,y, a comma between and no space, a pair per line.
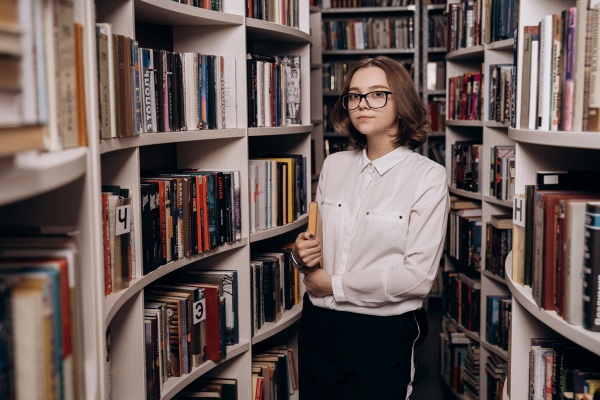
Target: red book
213,320
545,227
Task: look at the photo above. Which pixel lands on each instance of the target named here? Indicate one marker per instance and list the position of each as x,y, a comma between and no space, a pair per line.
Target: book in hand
314,222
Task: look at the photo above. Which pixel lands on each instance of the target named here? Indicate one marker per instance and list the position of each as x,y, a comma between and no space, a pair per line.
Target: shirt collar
385,163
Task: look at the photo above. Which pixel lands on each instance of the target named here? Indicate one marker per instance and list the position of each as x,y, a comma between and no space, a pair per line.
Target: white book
575,215
260,105
359,37
579,64
594,81
107,30
538,374
545,73
261,193
29,93
229,93
253,192
219,109
29,348
190,76
267,89
533,82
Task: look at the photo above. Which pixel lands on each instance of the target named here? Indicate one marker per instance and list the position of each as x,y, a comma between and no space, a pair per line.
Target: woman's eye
353,96
378,94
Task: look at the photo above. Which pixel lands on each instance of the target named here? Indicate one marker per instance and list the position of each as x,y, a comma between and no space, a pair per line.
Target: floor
428,382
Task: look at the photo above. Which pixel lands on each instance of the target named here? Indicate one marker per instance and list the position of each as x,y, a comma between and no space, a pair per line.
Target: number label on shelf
199,314
123,223
519,210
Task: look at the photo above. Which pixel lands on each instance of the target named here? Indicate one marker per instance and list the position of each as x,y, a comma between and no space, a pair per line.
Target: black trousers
349,356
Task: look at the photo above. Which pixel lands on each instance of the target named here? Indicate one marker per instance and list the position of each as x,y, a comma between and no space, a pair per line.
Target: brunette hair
414,117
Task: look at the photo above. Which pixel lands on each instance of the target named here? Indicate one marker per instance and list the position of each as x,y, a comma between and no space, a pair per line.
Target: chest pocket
387,227
330,210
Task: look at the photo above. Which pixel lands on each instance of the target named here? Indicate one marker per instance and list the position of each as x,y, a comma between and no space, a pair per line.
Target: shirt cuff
338,289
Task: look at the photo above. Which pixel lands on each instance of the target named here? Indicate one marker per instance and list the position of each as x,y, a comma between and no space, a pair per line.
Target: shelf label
199,314
123,219
519,210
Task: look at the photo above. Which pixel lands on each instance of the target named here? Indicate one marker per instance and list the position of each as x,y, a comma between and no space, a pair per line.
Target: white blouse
384,224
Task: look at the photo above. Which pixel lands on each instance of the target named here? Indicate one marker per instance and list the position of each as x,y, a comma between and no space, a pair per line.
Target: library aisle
429,383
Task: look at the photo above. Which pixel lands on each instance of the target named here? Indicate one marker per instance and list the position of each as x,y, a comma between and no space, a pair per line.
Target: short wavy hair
414,117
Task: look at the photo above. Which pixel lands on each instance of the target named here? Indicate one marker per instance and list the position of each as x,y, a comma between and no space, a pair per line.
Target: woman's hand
317,282
307,250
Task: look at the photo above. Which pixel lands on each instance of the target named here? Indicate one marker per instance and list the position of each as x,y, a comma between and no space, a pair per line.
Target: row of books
437,114
274,375
366,3
465,169
334,74
214,5
283,12
144,90
212,388
499,239
496,370
460,299
436,75
274,90
557,249
498,314
438,30
465,96
502,172
470,372
275,285
188,211
368,33
118,238
463,243
560,71
277,190
42,95
188,321
562,370
500,93
436,150
471,24
454,345
38,317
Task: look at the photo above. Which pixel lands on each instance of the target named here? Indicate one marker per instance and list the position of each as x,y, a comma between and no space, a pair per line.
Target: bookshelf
340,50
316,90
433,89
63,188
536,150
473,122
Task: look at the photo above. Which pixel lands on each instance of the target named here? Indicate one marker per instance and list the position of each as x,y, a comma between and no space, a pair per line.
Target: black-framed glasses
376,99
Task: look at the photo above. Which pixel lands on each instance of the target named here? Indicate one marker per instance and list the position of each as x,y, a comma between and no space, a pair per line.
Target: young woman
384,209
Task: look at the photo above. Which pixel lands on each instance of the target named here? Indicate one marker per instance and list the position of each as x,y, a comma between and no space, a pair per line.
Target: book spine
591,297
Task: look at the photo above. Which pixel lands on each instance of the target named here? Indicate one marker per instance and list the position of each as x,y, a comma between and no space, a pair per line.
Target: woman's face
373,122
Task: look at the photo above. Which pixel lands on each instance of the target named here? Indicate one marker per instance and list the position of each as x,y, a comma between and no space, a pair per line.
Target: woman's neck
379,148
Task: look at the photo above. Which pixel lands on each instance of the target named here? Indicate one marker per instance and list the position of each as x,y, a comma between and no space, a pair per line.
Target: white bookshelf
64,187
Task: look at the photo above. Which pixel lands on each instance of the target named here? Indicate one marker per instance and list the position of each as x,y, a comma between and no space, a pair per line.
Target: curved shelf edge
279,130
269,233
35,173
148,139
587,339
577,140
272,328
174,385
272,31
492,348
114,302
465,193
164,12
494,200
